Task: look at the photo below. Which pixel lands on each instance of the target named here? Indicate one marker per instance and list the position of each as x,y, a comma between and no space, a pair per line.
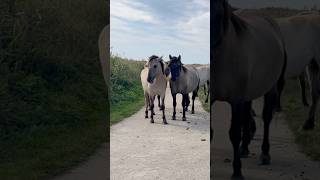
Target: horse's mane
184,68
238,24
153,57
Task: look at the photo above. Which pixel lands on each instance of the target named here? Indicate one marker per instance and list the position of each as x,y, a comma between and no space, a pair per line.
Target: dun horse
104,52
184,80
302,38
204,75
247,61
154,83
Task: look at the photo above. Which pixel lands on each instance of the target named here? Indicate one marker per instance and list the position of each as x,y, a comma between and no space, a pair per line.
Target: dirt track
287,163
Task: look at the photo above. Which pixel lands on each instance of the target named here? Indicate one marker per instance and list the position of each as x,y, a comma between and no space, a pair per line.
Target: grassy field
53,99
296,114
126,90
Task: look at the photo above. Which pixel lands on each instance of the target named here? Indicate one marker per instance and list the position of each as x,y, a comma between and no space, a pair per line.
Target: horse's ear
179,58
170,56
146,64
162,66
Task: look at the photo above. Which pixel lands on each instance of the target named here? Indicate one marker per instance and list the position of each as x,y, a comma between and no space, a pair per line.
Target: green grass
202,98
296,114
126,89
53,99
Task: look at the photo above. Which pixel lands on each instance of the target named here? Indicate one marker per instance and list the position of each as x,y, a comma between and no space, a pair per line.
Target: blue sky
140,28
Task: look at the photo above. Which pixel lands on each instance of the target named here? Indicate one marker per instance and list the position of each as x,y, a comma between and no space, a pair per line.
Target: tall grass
53,100
126,90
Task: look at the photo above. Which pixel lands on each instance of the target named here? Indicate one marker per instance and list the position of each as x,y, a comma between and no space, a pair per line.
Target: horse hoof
165,122
192,112
146,117
184,118
206,101
153,113
265,159
244,153
173,118
152,121
308,126
237,177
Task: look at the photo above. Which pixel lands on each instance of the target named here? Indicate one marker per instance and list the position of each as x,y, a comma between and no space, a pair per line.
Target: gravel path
180,150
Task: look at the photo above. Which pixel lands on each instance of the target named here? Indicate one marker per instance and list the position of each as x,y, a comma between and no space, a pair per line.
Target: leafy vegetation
126,90
53,99
202,98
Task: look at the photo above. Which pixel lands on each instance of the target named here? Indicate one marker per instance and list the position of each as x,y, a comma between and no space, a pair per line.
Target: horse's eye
155,66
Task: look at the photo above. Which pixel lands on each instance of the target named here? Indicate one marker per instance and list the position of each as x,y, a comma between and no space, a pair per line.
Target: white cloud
131,11
187,34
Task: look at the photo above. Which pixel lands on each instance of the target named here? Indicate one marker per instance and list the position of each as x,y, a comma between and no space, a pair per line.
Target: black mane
153,57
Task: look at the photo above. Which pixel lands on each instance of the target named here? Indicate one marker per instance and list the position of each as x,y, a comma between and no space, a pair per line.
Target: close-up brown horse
248,60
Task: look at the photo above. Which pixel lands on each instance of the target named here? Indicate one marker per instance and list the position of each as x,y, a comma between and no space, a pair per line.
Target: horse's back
254,53
302,38
192,78
204,74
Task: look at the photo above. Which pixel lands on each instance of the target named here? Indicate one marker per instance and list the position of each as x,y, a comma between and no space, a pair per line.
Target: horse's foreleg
270,101
207,98
146,100
235,137
152,108
204,89
185,98
194,95
174,102
246,137
315,92
303,89
163,111
159,105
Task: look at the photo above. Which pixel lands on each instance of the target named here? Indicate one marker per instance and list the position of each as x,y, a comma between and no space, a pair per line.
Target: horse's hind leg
174,102
159,105
280,86
146,101
235,137
270,101
315,92
186,103
207,98
303,89
246,136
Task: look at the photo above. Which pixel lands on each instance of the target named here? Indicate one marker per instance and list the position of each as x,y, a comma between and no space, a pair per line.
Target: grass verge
202,98
296,114
126,90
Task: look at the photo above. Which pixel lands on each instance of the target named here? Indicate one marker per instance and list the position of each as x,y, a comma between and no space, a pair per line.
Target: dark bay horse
183,80
248,60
